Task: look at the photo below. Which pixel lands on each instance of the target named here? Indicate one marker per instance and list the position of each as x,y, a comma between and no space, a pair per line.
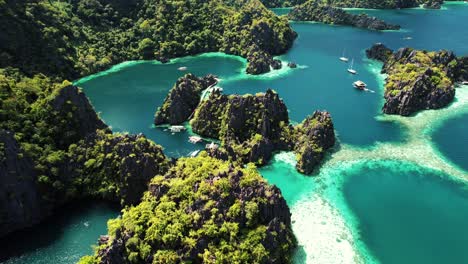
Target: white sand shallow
322,233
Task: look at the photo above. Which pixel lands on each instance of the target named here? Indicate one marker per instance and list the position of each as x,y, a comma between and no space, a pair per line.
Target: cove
64,238
407,214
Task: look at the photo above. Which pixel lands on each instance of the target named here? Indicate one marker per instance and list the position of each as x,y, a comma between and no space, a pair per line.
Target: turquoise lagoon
391,193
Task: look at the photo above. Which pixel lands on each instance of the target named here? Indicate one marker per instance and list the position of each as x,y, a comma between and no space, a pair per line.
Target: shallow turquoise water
407,214
65,238
127,98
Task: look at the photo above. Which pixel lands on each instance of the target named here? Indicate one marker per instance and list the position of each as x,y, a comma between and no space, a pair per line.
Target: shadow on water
85,220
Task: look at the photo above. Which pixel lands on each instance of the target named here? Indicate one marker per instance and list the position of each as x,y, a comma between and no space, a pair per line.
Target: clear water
65,238
395,213
408,215
452,140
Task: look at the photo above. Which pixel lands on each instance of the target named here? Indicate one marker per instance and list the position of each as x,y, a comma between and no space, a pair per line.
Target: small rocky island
251,127
314,10
182,99
418,79
200,210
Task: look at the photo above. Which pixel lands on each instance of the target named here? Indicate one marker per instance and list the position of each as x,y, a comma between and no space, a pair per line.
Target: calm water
425,211
65,238
452,140
408,215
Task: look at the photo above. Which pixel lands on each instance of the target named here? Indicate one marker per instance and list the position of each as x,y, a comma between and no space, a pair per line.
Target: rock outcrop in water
418,80
203,209
315,136
314,10
20,203
379,52
252,127
182,99
260,62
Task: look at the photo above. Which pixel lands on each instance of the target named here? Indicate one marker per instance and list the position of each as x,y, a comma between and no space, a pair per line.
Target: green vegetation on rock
202,211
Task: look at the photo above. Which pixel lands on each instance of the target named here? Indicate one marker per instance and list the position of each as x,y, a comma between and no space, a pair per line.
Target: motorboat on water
360,85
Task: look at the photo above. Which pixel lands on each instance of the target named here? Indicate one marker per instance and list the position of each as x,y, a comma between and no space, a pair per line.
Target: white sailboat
343,58
351,70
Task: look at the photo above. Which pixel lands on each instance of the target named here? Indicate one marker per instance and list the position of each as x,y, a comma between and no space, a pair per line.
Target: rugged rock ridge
418,80
379,52
71,99
182,99
253,127
250,126
315,135
20,203
314,10
221,210
115,167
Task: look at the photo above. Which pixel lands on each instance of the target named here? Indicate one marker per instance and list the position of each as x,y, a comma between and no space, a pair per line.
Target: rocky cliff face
250,126
313,10
417,80
379,52
71,101
260,62
221,211
20,202
315,135
114,167
182,99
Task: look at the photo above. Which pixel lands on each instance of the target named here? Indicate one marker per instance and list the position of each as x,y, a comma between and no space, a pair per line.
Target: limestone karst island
233,132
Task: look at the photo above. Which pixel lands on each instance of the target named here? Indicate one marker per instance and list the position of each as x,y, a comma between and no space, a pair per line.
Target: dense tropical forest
54,148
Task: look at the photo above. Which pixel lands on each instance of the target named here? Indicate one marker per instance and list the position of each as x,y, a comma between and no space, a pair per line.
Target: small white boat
343,58
195,153
360,85
176,129
351,70
195,139
182,68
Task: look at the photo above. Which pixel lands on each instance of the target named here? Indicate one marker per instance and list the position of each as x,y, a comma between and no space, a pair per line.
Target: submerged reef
418,80
314,10
203,210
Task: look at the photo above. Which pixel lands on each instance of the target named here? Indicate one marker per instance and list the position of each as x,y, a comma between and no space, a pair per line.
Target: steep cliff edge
253,127
418,80
250,126
182,99
315,135
20,203
202,209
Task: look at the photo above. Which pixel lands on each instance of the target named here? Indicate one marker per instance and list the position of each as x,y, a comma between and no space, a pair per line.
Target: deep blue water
408,215
64,238
452,140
